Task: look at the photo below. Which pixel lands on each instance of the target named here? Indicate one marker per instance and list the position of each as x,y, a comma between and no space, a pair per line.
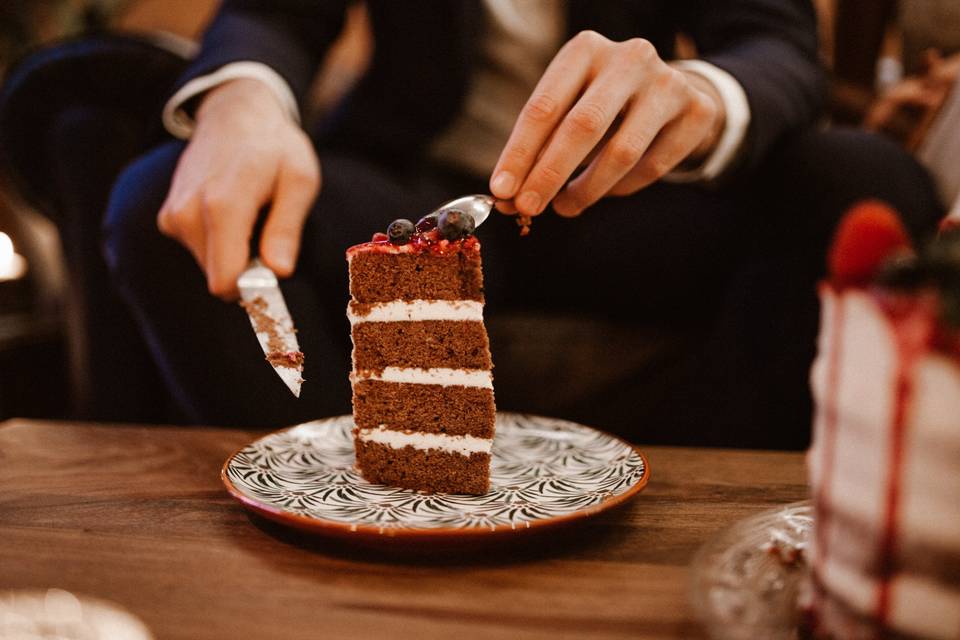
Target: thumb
280,242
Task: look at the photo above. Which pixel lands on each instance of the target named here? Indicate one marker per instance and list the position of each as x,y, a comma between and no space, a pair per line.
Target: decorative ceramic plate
543,472
748,581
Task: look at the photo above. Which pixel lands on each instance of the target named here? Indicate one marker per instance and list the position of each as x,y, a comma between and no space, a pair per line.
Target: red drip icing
914,331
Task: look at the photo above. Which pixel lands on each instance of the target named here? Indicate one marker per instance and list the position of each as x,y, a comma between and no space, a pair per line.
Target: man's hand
245,152
907,109
646,117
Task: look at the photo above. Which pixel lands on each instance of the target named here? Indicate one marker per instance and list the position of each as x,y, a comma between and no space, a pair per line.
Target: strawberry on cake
885,460
422,383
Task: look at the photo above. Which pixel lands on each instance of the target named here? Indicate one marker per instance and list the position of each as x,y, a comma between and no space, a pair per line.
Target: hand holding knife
263,301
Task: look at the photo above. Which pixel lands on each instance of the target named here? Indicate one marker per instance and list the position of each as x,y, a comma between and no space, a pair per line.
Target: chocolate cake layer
427,408
427,344
431,470
381,277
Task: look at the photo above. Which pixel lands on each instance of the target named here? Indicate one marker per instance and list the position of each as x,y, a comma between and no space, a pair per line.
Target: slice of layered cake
422,383
885,459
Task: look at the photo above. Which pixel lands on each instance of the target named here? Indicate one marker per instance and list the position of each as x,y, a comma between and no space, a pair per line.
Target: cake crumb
289,359
788,555
524,223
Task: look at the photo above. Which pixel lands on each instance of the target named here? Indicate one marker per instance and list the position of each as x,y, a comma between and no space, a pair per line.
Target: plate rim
357,531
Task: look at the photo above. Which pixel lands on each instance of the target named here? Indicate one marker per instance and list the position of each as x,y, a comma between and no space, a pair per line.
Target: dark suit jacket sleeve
771,48
289,36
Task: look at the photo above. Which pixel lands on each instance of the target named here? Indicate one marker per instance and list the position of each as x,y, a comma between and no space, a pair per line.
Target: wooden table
138,516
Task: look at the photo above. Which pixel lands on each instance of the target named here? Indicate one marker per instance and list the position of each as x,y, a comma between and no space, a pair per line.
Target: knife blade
261,298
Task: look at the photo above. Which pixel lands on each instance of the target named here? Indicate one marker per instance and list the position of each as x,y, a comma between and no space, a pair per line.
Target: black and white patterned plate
543,471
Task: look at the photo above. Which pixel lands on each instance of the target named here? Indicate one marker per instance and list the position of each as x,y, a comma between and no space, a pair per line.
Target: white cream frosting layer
441,376
418,310
464,445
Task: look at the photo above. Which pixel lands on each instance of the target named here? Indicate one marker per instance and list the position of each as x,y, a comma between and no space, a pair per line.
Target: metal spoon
478,206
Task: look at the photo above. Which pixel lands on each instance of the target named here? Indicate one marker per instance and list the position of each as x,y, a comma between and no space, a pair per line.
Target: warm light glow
12,266
6,249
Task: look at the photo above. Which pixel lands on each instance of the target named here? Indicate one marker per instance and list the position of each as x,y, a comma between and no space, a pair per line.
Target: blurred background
893,65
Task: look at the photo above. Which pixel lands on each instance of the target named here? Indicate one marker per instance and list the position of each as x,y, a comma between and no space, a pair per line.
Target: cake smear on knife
261,298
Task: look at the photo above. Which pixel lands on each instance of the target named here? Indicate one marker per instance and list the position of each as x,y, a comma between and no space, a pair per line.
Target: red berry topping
379,237
868,234
427,222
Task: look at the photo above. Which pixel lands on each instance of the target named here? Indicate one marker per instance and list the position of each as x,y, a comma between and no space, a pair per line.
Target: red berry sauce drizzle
913,320
913,329
869,236
424,242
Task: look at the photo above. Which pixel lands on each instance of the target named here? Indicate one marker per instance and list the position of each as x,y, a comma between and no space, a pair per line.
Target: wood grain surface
138,516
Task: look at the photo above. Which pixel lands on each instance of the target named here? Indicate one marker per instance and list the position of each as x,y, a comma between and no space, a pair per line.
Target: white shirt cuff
734,130
181,124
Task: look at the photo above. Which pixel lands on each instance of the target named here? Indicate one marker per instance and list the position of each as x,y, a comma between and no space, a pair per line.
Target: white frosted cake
885,460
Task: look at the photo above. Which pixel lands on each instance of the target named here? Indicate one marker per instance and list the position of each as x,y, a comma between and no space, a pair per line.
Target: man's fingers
583,127
910,92
620,154
229,225
166,220
182,221
280,243
549,102
672,145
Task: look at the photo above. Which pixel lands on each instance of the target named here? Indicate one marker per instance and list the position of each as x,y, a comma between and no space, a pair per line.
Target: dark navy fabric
424,51
731,268
732,272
